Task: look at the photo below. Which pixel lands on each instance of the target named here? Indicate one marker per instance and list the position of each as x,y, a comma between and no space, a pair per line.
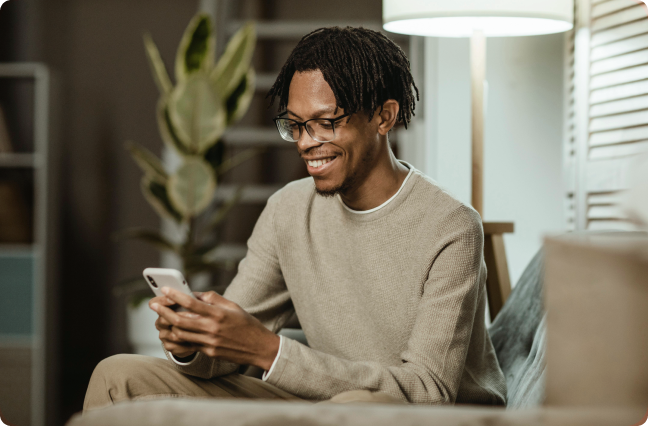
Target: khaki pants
136,377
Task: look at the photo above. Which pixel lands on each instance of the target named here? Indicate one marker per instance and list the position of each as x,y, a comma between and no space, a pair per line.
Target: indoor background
102,95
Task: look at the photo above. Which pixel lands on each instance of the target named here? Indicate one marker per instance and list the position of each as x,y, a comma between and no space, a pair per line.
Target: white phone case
165,277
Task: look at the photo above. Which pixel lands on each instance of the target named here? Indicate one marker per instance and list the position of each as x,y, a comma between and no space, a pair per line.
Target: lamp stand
477,77
498,281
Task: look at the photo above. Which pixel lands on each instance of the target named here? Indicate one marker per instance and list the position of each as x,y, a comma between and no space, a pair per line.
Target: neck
382,182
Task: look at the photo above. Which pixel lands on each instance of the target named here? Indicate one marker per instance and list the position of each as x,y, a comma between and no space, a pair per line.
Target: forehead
310,95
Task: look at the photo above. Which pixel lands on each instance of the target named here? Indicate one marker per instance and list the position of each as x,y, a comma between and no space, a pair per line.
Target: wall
524,128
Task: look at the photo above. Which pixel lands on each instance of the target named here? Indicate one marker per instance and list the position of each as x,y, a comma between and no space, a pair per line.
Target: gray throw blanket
519,338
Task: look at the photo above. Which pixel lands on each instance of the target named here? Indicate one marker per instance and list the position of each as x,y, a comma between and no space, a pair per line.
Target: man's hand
218,328
171,342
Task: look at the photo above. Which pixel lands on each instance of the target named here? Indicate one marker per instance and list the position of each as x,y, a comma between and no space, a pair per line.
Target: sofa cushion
205,412
519,335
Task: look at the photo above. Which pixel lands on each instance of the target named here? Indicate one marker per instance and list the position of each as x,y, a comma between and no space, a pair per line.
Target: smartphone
165,277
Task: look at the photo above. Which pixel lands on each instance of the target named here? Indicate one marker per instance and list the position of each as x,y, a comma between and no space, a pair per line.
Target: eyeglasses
320,129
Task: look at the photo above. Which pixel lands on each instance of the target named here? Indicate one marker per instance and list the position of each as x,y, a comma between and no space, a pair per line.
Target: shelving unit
23,267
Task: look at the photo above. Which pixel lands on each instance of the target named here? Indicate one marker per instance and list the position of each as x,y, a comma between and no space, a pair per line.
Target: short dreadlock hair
363,68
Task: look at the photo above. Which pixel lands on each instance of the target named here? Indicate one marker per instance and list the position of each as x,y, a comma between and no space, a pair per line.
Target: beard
347,183
351,181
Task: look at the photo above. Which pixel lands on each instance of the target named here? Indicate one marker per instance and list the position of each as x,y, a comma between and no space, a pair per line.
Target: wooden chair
498,283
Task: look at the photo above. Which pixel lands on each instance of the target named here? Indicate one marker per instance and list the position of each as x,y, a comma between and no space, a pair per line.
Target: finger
193,338
186,301
162,324
179,348
212,298
161,300
169,336
225,354
172,336
199,324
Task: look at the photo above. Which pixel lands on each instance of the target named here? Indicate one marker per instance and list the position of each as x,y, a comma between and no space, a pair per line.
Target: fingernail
155,306
165,290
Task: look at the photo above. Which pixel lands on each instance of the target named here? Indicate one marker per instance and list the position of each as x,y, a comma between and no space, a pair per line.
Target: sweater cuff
281,362
267,374
184,361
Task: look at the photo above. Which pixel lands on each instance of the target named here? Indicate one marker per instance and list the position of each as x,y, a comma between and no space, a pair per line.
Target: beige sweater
390,301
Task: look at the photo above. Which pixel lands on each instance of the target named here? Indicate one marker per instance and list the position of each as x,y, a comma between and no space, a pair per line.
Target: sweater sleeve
433,361
258,287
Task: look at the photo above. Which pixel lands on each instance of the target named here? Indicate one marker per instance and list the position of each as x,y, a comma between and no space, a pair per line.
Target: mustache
315,152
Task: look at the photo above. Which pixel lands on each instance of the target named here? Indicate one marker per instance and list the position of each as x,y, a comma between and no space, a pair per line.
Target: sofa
561,274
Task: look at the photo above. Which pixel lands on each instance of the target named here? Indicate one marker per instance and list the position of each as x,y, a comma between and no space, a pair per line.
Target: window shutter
610,58
570,139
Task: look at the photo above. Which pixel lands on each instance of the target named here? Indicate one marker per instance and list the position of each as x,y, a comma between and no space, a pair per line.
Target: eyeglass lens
319,130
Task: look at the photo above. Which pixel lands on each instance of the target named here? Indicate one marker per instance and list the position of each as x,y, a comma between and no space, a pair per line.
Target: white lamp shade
459,18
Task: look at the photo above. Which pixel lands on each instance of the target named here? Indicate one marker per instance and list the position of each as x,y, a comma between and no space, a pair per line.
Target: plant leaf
148,235
235,61
196,49
239,101
147,161
166,129
197,113
192,187
160,74
214,155
156,194
238,159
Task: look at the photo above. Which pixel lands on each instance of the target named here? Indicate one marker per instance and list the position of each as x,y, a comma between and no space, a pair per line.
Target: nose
306,142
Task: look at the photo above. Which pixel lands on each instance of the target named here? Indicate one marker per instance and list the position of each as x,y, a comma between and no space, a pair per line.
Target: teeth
319,163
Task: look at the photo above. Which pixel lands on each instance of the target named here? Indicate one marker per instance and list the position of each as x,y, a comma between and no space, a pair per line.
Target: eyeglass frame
303,124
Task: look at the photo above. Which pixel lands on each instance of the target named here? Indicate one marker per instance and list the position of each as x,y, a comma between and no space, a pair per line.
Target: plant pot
142,334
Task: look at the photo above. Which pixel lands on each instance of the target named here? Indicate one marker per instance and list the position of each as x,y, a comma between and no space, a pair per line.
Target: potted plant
208,96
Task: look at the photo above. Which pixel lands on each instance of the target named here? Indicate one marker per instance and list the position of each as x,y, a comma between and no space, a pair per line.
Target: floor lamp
479,19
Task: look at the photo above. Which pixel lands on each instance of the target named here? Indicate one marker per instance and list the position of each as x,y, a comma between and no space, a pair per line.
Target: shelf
23,70
16,341
9,249
26,306
19,160
256,136
251,193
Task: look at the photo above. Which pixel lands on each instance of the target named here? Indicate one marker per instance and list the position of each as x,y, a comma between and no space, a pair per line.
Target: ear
388,115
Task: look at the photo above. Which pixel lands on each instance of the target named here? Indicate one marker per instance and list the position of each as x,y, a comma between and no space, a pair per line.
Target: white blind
609,56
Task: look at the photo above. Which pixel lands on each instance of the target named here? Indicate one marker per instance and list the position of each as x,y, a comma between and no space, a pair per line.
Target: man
384,269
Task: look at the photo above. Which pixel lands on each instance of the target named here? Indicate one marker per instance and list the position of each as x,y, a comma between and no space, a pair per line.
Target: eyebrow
317,113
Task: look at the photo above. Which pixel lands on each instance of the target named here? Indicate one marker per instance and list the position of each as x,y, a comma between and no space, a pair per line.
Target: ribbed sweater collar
388,206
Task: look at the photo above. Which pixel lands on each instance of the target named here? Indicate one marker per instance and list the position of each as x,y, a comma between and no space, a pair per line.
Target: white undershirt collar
411,169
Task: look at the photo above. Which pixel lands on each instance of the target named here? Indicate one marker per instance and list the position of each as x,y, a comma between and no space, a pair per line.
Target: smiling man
383,268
